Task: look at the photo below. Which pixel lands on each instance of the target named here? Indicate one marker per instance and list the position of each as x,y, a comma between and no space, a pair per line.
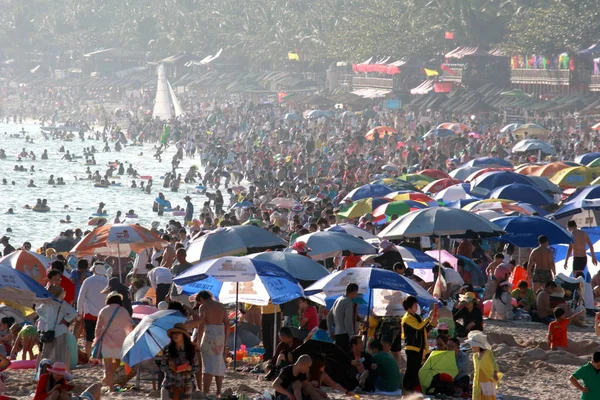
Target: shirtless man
577,248
541,262
214,331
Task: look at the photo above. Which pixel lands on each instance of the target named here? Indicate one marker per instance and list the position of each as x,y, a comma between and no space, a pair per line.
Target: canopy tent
423,88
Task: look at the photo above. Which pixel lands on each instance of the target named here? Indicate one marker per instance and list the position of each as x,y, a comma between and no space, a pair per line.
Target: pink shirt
119,327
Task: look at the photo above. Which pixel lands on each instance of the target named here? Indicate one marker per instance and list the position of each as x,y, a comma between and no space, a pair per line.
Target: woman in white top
53,316
502,302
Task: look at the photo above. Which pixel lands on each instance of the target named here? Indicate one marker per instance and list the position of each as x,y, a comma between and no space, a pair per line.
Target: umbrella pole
119,261
235,322
275,330
366,335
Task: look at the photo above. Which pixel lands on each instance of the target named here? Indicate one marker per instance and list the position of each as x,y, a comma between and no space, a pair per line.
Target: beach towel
382,393
211,349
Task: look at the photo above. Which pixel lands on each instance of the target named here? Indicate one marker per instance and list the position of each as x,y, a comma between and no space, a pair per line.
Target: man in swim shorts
541,262
578,247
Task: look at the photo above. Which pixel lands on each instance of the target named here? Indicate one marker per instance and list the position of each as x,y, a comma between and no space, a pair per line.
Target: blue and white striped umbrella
370,190
16,288
240,279
149,337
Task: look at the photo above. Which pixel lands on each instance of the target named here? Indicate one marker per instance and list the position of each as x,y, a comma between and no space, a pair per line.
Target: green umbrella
256,221
439,362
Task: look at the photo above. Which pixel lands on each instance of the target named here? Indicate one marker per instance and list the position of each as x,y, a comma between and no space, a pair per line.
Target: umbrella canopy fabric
519,192
394,183
489,181
314,114
419,181
11,312
531,130
586,158
488,162
454,126
547,170
440,184
434,174
32,264
414,196
240,279
477,174
578,202
362,207
438,362
533,145
117,239
369,278
326,244
390,167
370,190
523,231
292,117
234,240
440,221
461,203
298,266
283,202
352,230
441,132
545,184
149,337
384,212
501,205
463,173
381,131
575,177
19,290
510,128
595,163
454,193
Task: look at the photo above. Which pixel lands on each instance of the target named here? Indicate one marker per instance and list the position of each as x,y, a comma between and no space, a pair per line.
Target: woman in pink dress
114,324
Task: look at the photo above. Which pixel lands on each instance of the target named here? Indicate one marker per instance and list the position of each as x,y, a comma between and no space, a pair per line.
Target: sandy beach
531,371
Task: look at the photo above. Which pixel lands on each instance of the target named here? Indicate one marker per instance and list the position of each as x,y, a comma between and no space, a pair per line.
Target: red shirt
69,288
557,331
311,316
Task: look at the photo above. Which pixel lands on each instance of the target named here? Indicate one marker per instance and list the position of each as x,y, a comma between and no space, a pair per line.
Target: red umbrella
440,184
475,174
434,173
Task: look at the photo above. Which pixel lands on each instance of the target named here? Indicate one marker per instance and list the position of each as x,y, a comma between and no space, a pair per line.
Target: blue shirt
463,364
77,279
189,211
322,335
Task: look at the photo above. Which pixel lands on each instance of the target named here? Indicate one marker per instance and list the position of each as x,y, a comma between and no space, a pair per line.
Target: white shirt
141,259
90,300
159,276
52,314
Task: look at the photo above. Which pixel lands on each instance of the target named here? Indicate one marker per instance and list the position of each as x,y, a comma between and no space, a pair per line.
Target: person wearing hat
486,373
115,286
301,248
91,300
8,248
55,384
179,364
470,313
113,325
389,257
189,210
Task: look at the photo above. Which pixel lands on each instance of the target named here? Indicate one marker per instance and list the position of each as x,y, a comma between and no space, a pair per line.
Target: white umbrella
284,202
326,244
390,168
463,173
454,192
300,267
533,145
352,230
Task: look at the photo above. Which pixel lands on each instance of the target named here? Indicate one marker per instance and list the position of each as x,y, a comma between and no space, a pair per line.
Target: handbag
97,349
48,336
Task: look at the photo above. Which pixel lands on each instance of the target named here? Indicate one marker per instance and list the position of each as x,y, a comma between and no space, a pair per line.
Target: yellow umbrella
531,129
358,208
575,177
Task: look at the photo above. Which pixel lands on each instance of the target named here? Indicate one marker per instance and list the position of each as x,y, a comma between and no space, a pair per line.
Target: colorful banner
430,72
293,56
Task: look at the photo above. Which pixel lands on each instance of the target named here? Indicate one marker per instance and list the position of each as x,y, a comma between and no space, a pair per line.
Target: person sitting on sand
462,379
317,377
557,330
470,313
501,303
543,311
291,379
590,390
524,296
283,352
55,385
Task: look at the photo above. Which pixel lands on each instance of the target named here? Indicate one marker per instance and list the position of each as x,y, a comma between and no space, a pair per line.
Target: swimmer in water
10,211
31,184
133,185
118,218
4,181
67,220
100,209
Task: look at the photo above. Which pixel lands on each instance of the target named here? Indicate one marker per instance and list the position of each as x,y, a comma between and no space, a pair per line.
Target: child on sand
26,337
485,369
590,390
557,330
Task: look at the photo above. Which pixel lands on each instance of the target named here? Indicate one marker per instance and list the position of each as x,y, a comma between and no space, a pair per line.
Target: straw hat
178,328
467,297
478,339
60,368
98,268
114,294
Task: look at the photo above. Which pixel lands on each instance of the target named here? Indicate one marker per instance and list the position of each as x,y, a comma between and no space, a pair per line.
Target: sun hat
301,247
50,252
98,268
386,245
467,297
478,339
178,328
187,198
113,294
59,368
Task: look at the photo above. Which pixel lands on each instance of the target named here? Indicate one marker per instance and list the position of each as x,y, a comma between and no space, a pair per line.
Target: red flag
280,96
446,68
449,36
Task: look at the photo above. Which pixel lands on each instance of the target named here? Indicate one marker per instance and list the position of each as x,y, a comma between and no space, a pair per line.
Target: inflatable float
41,209
22,364
145,177
100,215
179,213
131,216
101,185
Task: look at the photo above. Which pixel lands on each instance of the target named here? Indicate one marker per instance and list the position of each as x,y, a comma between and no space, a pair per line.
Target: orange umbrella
546,170
31,264
596,127
117,240
381,131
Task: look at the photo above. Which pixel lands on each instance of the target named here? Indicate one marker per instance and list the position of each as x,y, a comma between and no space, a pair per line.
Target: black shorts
90,329
579,264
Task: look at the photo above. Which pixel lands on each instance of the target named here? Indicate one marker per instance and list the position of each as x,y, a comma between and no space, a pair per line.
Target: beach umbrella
547,170
489,181
352,230
454,193
440,133
395,183
440,184
362,207
243,204
64,244
390,168
584,199
488,162
545,184
11,312
531,130
434,174
586,158
414,196
416,179
515,93
519,192
440,221
300,267
384,212
369,278
510,128
347,114
149,337
254,221
477,174
292,117
523,231
381,131
326,244
489,214
438,362
232,240
315,114
533,145
19,290
475,135
596,127
532,209
460,203
141,310
454,126
595,163
32,264
463,173
501,205
575,177
284,202
369,190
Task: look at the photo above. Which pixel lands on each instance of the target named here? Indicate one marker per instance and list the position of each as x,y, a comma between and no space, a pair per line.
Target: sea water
38,227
